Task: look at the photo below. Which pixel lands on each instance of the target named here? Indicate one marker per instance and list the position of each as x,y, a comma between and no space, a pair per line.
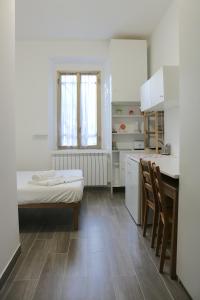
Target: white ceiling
87,19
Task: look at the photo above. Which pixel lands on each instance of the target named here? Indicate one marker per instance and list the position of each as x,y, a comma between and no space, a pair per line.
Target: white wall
9,235
189,203
36,66
164,42
164,50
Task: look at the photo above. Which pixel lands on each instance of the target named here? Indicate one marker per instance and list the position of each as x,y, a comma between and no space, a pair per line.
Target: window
79,110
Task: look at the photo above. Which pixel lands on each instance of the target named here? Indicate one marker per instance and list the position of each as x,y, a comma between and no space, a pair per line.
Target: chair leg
159,235
155,224
145,219
164,246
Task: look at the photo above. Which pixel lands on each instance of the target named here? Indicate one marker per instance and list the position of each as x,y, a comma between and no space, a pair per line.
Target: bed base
74,205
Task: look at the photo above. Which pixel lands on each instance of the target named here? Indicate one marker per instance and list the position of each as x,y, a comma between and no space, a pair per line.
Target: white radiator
93,164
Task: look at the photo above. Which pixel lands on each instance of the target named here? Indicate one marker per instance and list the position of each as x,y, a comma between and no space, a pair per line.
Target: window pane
69,110
88,103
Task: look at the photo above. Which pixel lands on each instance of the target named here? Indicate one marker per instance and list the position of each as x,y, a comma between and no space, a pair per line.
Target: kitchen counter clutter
169,164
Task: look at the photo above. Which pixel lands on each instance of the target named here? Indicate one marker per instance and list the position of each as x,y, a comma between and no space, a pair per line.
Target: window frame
78,74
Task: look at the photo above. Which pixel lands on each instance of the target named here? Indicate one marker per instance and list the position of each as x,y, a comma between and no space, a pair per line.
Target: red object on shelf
122,126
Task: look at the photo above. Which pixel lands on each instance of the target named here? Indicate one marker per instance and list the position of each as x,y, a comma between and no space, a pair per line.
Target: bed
57,196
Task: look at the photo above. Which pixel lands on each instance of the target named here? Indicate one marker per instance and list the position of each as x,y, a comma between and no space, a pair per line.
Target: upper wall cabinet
161,90
144,96
128,60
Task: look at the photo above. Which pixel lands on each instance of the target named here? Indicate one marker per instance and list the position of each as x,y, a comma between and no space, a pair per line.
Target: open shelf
118,150
127,116
154,132
123,138
123,133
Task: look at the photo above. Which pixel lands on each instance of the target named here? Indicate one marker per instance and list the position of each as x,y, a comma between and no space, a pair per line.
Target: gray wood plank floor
107,259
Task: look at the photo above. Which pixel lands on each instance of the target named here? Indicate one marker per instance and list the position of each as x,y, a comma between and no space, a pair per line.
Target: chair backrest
159,188
148,182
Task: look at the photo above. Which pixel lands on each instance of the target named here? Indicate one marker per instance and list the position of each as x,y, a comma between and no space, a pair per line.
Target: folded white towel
56,180
44,175
49,182
73,179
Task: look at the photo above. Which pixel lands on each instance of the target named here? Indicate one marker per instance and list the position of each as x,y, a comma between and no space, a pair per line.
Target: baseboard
9,267
180,282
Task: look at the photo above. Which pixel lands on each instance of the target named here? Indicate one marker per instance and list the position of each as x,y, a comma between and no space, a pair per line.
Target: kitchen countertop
169,164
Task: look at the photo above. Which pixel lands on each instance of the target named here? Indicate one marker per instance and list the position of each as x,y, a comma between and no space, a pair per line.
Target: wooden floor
107,259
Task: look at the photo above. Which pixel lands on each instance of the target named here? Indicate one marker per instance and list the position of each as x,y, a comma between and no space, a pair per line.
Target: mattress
28,193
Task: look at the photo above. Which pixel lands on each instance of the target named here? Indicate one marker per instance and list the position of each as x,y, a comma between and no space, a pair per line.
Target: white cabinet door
145,96
162,88
128,68
171,86
132,191
157,88
123,158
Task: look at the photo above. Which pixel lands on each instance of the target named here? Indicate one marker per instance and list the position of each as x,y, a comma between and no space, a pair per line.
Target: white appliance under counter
132,189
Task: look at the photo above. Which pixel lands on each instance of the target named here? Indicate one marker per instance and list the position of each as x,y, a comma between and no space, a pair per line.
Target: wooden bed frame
74,205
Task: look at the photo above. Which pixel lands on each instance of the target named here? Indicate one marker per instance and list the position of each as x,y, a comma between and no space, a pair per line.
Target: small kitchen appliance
166,149
138,145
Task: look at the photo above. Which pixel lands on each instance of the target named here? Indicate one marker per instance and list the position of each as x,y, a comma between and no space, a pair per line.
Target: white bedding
66,193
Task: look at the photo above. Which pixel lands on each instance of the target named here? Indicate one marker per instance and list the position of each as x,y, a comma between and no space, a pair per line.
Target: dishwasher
133,189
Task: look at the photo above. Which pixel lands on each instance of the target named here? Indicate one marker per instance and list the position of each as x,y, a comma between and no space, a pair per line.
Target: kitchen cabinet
157,88
145,96
128,67
161,90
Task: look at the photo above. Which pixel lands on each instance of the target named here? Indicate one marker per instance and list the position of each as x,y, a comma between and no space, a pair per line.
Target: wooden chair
150,200
165,220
